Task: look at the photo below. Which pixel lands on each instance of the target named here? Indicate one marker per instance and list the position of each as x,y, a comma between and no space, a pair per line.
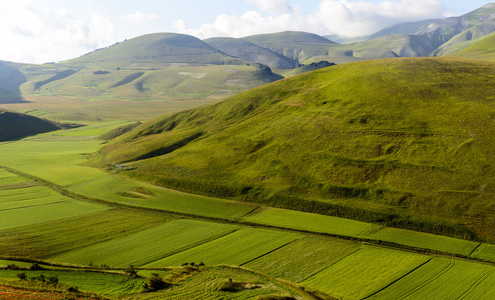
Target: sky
41,31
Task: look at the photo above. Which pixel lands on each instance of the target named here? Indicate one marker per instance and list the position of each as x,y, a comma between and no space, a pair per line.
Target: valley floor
55,211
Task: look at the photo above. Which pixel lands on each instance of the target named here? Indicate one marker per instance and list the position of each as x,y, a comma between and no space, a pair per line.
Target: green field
122,190
32,205
443,278
484,252
426,241
60,236
148,245
236,248
302,258
107,284
312,222
364,272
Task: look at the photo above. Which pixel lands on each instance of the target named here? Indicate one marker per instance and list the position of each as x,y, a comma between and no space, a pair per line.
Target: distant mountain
156,50
299,46
248,51
483,48
10,81
14,125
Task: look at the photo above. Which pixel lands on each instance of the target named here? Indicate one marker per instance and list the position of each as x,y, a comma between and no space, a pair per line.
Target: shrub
22,276
155,282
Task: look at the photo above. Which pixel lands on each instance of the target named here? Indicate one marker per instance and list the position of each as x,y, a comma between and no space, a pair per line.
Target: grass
443,278
114,285
364,272
59,236
312,222
236,248
485,252
353,141
302,258
148,245
205,284
33,205
118,189
426,241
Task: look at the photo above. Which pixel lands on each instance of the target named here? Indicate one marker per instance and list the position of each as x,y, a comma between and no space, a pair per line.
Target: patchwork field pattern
32,205
443,278
148,245
236,248
303,258
312,222
364,272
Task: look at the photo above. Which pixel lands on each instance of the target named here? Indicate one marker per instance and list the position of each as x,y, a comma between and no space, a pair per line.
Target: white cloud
273,6
140,17
49,34
349,18
343,17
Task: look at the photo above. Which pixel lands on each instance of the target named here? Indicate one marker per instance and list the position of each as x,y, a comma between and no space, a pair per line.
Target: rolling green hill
17,125
155,50
251,52
483,49
404,142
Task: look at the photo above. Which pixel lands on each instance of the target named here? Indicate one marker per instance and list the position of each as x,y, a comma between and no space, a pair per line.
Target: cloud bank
343,17
47,34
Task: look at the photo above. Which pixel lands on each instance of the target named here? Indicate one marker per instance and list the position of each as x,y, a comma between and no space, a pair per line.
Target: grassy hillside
251,52
10,82
482,49
155,50
298,46
17,125
404,142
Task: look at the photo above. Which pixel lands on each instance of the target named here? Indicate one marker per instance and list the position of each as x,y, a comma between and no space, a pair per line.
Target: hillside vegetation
404,142
16,125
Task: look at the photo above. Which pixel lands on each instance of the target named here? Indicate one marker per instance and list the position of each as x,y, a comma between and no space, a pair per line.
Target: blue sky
39,31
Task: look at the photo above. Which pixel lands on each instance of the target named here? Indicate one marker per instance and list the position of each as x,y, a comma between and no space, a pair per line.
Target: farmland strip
65,192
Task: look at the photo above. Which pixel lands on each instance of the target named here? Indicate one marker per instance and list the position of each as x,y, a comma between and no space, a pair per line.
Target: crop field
236,248
9,293
485,252
443,278
312,222
205,284
122,190
427,241
94,282
364,272
302,258
32,205
148,245
60,236
7,178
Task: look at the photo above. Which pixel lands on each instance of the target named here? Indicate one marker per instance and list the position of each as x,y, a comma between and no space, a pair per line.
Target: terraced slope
403,142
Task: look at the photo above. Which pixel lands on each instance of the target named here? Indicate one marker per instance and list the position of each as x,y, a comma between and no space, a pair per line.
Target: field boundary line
386,244
394,281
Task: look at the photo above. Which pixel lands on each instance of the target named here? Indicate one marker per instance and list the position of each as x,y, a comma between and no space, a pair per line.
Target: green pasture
44,213
148,245
60,236
302,258
204,285
122,190
364,272
108,284
444,278
7,178
312,222
236,248
426,240
484,252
